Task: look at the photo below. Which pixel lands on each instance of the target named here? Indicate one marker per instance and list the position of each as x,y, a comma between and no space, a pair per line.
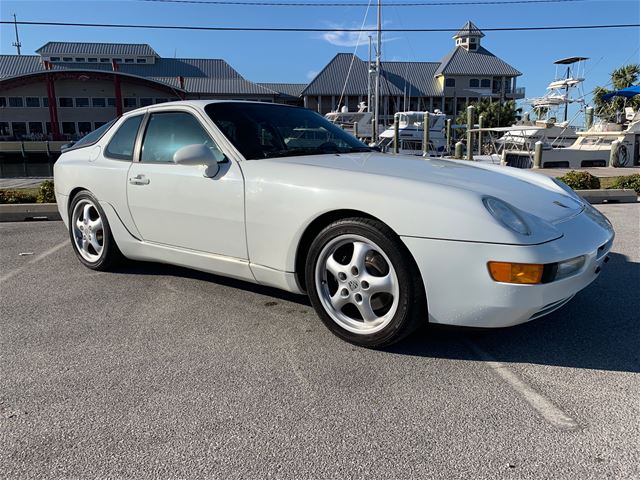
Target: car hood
531,193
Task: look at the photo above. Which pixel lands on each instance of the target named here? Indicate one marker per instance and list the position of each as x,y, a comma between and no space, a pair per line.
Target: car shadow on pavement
598,329
131,267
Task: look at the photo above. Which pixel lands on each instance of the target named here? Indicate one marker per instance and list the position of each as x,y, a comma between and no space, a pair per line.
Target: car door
175,204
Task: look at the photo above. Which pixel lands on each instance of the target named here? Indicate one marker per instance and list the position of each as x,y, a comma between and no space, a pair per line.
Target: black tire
411,310
110,255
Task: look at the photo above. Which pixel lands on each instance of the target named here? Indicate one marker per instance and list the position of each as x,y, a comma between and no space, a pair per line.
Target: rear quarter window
123,141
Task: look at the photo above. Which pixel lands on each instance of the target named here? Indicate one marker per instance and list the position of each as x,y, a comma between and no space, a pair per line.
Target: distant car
380,243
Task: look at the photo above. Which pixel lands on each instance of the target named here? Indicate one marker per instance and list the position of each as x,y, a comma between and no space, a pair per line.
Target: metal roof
461,61
286,89
414,78
204,76
469,30
85,48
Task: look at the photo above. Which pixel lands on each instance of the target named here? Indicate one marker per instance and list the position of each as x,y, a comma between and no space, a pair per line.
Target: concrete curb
613,195
19,212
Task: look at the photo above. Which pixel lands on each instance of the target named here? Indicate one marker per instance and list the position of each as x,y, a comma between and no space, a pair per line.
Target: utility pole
369,71
376,108
17,43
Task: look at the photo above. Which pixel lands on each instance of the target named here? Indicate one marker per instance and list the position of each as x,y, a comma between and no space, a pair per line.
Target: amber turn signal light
525,273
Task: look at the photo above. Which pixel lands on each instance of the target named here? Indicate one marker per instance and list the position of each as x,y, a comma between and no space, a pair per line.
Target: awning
628,92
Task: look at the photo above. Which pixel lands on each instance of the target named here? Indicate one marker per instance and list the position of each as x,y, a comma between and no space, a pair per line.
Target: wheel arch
316,226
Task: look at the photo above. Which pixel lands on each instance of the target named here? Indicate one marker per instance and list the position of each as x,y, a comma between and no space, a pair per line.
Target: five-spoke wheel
363,283
90,233
88,230
357,284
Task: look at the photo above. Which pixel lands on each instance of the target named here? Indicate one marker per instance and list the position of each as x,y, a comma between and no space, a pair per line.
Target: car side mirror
198,154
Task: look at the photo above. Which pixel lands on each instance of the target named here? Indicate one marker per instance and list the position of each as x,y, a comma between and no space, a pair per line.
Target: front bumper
461,292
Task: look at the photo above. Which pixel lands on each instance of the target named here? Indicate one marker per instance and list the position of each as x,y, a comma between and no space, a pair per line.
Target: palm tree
622,77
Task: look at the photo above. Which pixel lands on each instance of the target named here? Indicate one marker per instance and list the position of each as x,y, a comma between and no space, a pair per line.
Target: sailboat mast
369,78
376,109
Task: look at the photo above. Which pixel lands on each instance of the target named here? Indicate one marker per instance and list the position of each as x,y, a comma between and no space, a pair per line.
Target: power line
297,29
360,4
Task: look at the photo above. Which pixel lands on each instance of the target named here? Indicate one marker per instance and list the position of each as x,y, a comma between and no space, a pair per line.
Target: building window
19,129
474,83
67,59
33,102
84,128
111,102
92,60
4,129
117,60
82,102
104,60
141,60
473,47
161,100
450,82
145,102
98,102
485,83
3,102
80,59
47,127
45,102
54,59
35,127
69,128
130,102
16,102
128,60
66,102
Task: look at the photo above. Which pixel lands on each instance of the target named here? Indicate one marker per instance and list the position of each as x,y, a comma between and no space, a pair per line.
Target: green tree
496,114
622,77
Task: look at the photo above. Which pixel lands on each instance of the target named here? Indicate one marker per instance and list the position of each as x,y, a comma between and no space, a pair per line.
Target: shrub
580,180
631,182
46,193
17,196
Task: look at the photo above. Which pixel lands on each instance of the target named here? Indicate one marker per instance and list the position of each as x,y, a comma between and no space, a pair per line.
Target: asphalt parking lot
156,371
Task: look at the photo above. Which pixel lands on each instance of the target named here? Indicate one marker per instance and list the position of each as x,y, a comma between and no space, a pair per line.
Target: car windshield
268,131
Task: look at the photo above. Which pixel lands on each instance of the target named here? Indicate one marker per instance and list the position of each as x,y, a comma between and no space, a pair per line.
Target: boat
592,148
553,105
359,123
411,131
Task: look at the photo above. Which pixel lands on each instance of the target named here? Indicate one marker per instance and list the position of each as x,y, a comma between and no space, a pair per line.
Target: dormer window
117,60
128,60
450,82
141,60
104,60
92,60
54,59
67,59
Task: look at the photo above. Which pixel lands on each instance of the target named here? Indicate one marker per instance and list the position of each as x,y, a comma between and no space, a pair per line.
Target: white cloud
350,39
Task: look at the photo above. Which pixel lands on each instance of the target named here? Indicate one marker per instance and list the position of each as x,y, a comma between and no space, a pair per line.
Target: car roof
199,104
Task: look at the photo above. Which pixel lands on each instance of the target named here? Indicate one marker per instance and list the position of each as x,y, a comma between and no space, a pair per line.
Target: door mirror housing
198,154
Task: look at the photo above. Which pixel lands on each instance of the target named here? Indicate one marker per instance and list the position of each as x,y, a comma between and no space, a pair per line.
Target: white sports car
380,243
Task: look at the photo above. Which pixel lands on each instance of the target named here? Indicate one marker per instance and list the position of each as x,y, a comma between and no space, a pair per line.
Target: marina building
68,89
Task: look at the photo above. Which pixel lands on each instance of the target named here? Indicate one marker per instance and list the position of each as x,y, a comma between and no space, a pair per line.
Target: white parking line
538,402
43,255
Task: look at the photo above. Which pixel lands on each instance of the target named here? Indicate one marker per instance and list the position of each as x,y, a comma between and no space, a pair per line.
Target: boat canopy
628,92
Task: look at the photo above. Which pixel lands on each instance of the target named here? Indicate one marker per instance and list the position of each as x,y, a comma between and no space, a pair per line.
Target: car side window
168,132
123,142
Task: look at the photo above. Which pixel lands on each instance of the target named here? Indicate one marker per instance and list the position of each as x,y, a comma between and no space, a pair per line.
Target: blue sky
295,57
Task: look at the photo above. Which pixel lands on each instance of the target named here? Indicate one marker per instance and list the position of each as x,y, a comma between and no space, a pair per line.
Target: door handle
139,180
